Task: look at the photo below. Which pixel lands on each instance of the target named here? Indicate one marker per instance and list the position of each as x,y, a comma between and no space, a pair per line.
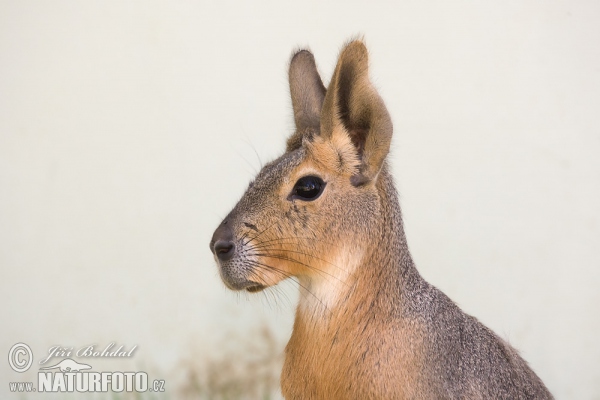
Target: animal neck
338,320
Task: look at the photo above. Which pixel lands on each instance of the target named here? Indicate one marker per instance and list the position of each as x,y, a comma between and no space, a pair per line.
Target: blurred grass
249,370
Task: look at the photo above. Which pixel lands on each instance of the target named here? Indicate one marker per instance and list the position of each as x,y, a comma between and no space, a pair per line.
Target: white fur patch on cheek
321,291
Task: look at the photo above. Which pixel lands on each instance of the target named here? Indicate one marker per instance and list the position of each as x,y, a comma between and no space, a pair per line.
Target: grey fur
388,334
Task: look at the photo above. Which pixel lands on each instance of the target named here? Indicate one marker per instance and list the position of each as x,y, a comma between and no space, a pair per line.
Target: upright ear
353,106
308,92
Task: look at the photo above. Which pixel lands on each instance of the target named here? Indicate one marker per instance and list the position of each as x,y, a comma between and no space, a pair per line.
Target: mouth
249,286
255,288
237,279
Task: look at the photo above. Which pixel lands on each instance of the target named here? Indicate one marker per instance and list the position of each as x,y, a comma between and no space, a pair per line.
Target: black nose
224,249
222,244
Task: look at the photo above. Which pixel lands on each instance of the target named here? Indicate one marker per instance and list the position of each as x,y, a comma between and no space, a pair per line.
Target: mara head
313,212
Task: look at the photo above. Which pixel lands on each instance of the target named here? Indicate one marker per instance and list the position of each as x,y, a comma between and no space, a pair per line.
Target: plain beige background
129,129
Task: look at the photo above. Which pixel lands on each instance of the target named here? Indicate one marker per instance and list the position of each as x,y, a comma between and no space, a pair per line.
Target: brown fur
367,325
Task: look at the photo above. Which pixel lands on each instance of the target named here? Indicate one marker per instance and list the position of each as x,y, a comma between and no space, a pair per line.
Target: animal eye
308,188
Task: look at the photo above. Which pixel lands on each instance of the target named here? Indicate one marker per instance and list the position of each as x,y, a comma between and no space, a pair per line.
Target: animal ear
352,105
307,91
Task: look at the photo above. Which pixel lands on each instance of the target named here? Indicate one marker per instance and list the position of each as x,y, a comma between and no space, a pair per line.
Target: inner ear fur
307,92
352,105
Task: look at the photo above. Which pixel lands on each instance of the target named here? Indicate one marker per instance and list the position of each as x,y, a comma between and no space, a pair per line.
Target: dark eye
308,188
